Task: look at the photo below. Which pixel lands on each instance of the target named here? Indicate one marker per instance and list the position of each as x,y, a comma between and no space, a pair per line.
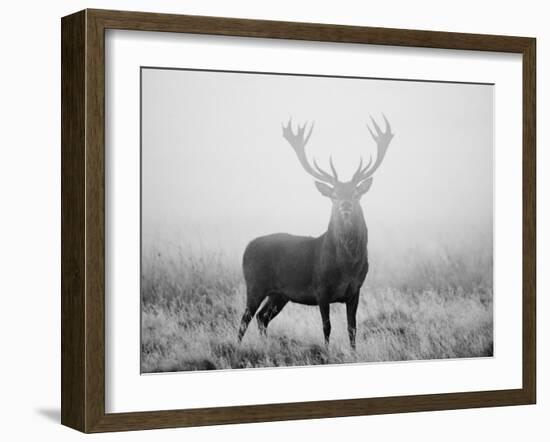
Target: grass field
435,308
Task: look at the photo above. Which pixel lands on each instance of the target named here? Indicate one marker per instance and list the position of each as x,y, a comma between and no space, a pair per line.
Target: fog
216,171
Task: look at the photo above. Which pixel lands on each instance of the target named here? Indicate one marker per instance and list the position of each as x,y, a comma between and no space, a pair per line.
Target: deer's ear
325,189
364,186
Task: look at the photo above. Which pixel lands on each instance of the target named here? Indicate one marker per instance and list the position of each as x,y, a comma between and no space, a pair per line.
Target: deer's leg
324,307
253,300
351,310
271,308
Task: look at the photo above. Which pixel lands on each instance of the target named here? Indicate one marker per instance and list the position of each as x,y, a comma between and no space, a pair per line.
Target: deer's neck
348,239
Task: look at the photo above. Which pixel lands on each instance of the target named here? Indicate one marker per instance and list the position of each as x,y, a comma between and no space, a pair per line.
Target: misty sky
216,171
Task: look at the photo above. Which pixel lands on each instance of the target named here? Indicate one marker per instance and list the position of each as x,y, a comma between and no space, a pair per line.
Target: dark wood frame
83,216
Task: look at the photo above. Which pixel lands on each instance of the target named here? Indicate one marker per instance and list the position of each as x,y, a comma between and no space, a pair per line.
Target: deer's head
345,196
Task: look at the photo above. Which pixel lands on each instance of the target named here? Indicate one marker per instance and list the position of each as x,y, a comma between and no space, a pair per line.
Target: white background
30,100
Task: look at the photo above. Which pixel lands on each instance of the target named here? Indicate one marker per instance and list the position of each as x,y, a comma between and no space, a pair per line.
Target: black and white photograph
292,220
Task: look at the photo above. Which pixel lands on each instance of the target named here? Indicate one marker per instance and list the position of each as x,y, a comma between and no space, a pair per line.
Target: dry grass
440,307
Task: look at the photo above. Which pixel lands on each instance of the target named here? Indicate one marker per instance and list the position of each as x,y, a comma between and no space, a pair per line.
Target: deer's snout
346,208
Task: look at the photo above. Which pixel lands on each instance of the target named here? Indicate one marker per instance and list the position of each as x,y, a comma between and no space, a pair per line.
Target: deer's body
305,270
318,271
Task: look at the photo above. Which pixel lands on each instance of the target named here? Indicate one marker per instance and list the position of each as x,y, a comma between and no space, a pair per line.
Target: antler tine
376,127
298,142
388,127
333,168
356,178
327,175
321,171
358,171
382,140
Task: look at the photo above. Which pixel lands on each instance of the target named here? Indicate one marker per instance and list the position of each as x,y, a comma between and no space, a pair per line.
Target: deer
316,271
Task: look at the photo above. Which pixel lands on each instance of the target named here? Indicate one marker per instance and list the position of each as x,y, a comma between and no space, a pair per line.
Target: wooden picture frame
83,220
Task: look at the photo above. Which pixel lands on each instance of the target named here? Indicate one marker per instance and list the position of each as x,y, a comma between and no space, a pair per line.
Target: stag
331,268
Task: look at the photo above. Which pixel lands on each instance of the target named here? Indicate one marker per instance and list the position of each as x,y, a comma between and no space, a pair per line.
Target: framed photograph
269,220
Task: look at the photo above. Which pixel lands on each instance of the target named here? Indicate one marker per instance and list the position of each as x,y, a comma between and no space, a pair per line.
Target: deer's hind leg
254,298
272,307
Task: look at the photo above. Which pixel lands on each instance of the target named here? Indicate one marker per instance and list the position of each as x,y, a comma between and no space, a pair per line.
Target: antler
382,140
298,142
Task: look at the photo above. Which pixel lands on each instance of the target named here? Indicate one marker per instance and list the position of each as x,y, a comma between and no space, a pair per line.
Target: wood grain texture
145,21
73,128
95,222
529,221
83,219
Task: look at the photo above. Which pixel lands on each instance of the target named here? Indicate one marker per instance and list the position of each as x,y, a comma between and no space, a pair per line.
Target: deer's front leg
351,310
324,307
